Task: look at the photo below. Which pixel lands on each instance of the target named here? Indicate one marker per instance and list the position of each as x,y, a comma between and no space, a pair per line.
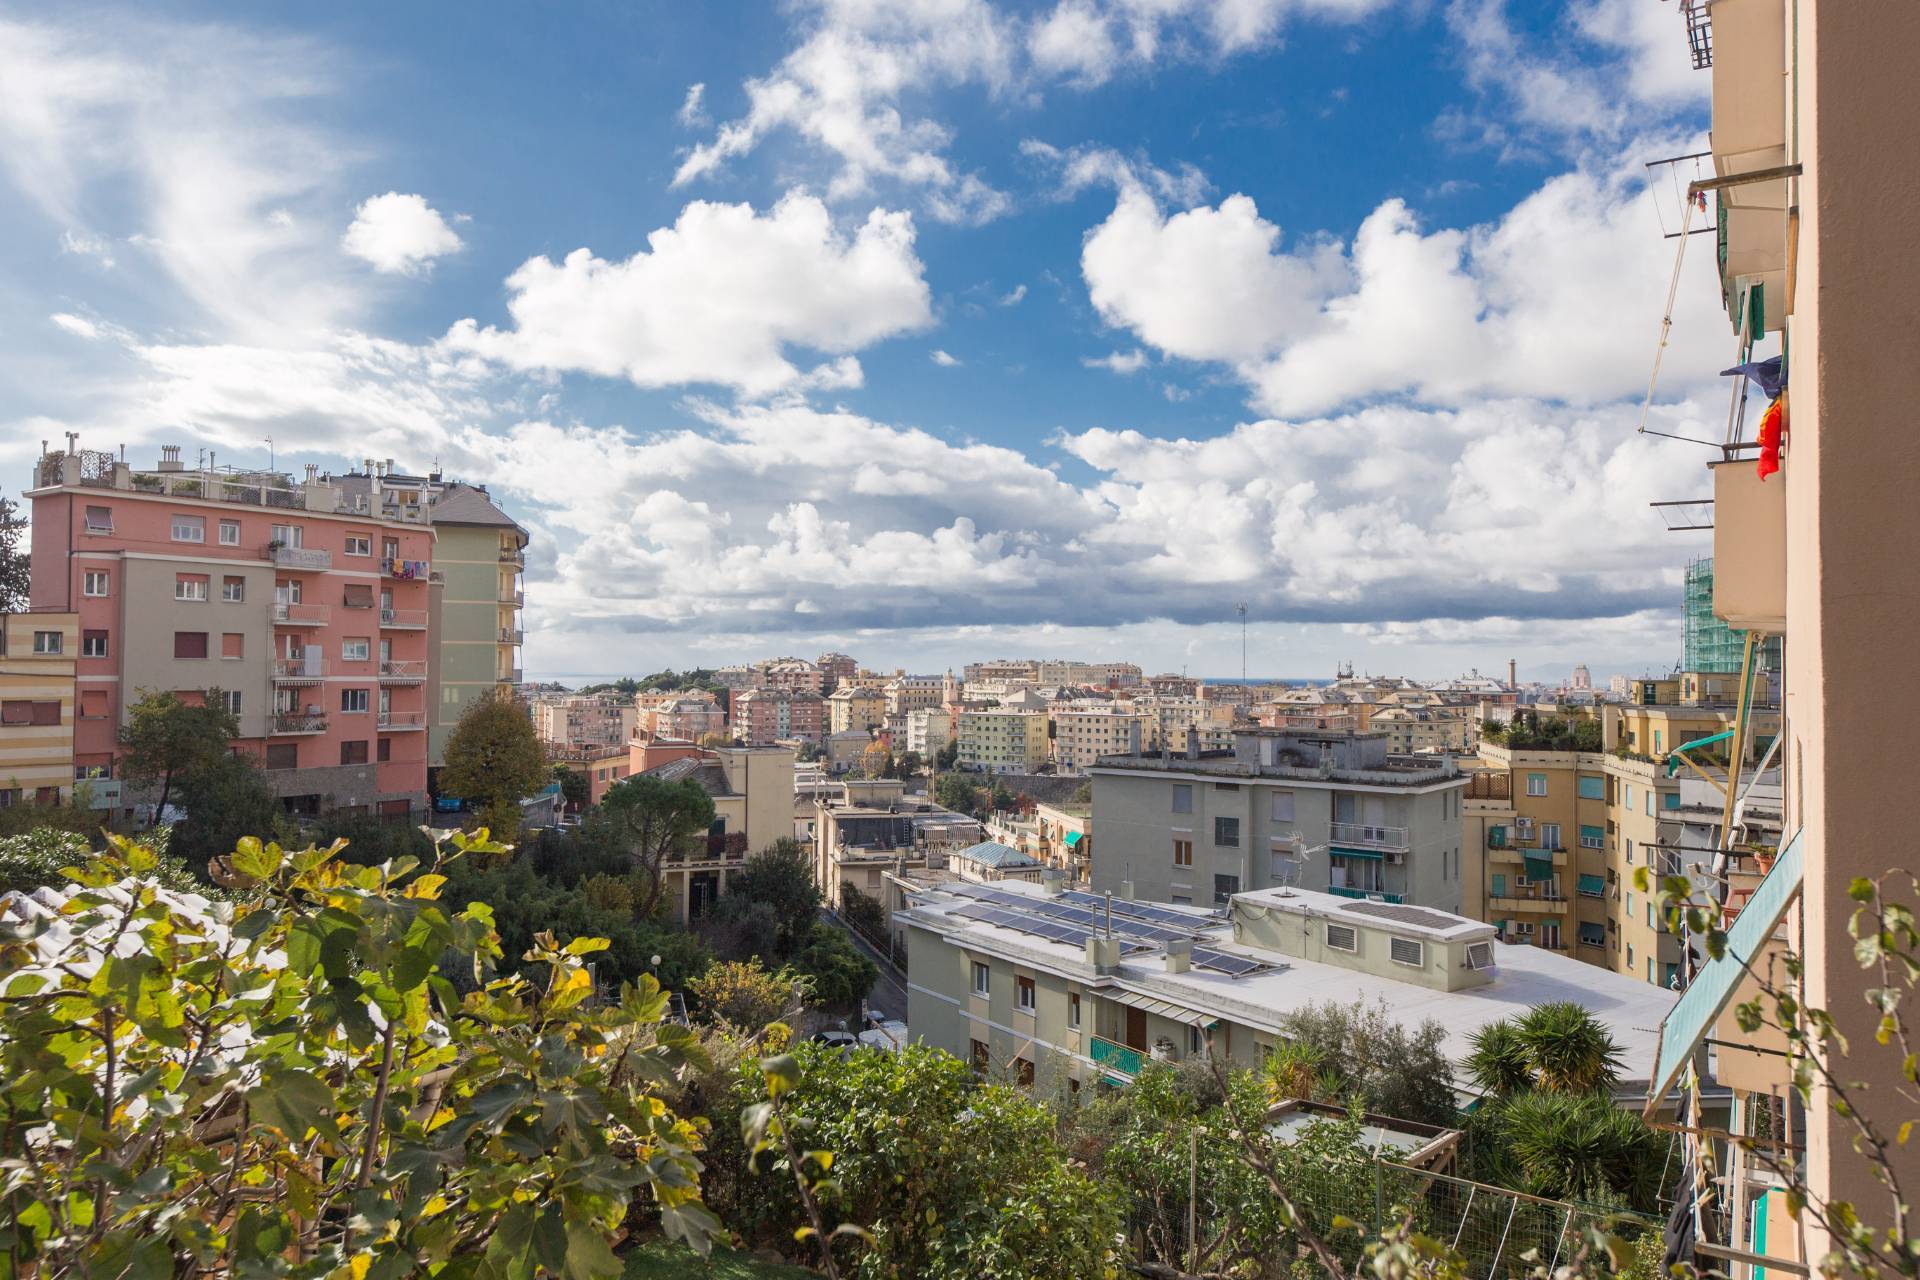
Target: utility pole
1242,610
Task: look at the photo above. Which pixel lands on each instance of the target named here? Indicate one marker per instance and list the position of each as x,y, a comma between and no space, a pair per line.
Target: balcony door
1137,1029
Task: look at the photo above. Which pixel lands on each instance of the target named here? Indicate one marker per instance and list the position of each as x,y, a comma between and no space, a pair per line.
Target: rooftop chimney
1103,953
1193,743
1513,673
1053,882
1179,955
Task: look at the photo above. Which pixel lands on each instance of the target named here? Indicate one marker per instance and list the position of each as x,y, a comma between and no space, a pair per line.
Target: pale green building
479,553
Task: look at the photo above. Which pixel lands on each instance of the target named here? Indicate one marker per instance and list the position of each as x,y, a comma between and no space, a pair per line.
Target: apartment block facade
311,618
38,708
589,720
1082,733
762,717
856,709
1003,740
1329,812
479,555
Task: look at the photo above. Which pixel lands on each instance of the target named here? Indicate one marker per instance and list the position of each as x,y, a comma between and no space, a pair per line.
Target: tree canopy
167,738
653,817
493,761
14,559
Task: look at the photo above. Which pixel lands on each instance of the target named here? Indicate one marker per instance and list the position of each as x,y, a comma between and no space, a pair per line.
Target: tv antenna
1288,862
1241,609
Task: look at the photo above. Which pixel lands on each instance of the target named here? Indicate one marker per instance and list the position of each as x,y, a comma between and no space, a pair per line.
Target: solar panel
1140,910
1038,926
1226,962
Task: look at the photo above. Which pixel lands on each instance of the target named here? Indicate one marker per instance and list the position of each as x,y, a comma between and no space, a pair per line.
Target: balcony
514,676
516,598
1371,895
291,614
1528,902
403,619
1368,837
1116,1058
308,668
304,559
402,672
512,635
291,723
405,570
513,556
402,721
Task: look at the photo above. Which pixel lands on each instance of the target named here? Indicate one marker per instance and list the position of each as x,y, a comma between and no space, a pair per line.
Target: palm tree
1296,1069
1554,1048
1581,1147
1499,1063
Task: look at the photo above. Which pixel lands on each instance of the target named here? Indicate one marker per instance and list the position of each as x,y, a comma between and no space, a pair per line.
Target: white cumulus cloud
943,359
399,235
720,297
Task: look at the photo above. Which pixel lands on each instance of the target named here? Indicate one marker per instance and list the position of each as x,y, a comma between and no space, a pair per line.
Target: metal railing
402,619
290,614
311,559
1380,895
515,598
1115,1057
1365,834
308,666
408,670
405,570
292,722
512,635
399,720
516,676
512,556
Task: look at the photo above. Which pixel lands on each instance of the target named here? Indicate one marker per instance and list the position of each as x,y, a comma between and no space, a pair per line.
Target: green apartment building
478,555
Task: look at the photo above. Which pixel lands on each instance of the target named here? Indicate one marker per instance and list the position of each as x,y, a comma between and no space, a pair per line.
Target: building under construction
1711,645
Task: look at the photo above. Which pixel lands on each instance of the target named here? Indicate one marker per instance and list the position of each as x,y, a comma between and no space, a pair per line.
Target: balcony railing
509,595
403,672
405,570
1117,1058
1381,895
403,619
286,723
400,721
1368,836
512,635
513,556
287,614
515,676
308,668
311,559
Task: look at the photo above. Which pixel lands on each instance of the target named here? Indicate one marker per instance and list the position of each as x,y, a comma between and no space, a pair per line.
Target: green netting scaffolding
1711,645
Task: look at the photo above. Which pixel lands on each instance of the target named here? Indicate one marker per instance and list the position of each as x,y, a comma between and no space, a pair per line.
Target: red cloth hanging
1773,435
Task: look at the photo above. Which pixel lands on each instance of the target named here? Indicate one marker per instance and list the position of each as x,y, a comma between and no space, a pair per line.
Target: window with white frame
233,590
229,533
1023,997
93,644
353,700
96,582
190,586
1073,1010
1550,835
189,528
359,544
231,699
99,519
980,978
290,535
1536,784
354,649
46,642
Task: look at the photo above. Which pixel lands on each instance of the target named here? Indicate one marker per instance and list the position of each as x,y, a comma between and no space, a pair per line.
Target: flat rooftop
1272,986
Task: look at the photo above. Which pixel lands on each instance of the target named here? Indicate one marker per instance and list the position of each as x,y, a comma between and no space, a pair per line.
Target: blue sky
925,330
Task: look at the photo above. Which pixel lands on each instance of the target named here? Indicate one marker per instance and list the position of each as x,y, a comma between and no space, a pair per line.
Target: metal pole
1193,1199
1109,913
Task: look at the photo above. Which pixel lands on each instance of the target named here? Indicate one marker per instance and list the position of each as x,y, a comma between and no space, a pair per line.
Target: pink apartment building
762,717
310,617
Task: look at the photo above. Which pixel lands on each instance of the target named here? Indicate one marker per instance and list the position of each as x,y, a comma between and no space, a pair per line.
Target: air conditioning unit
1396,859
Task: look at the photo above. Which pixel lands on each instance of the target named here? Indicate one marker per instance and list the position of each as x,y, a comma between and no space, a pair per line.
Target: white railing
403,670
308,666
300,557
1362,833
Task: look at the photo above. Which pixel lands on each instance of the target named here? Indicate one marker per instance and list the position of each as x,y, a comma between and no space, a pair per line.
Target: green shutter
1499,885
1593,884
1592,788
1538,868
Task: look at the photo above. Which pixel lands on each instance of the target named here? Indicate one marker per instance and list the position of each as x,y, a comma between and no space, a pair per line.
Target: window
359,545
1183,853
1226,832
99,519
1550,835
353,753
290,535
189,528
93,644
47,643
1629,955
1023,994
977,1054
1406,951
1550,934
1282,806
1499,889
233,644
283,755
357,595
354,649
1023,1072
980,978
1669,799
230,698
24,712
1196,1041
94,583
229,533
190,586
1182,797
1626,795
93,704
1592,788
1592,837
1073,1009
233,590
1224,887
189,645
1649,804
389,548
1536,784
1629,843
384,752
1343,937
1479,955
353,700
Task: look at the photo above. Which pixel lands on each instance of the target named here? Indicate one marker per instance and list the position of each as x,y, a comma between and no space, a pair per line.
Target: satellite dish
1289,860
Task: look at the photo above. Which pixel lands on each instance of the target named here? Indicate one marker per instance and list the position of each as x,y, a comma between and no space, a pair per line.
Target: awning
1594,935
1714,986
1539,865
1073,838
1593,884
1339,851
1165,1009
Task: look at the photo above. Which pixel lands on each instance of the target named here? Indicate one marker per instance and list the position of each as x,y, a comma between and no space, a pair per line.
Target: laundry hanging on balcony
1770,376
409,569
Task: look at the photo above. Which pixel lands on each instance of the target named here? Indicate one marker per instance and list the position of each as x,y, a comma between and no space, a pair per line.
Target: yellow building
856,709
37,652
1003,740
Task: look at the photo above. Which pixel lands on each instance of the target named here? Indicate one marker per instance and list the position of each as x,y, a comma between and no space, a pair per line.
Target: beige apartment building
752,791
1024,981
1083,732
905,694
1003,740
854,708
37,709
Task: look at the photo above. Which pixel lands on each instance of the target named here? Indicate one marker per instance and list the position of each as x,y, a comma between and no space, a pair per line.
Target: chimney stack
1053,882
1513,673
1179,955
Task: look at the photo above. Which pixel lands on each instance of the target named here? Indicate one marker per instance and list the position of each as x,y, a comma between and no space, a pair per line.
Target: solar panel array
1185,920
1082,916
1038,926
1074,917
1226,962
